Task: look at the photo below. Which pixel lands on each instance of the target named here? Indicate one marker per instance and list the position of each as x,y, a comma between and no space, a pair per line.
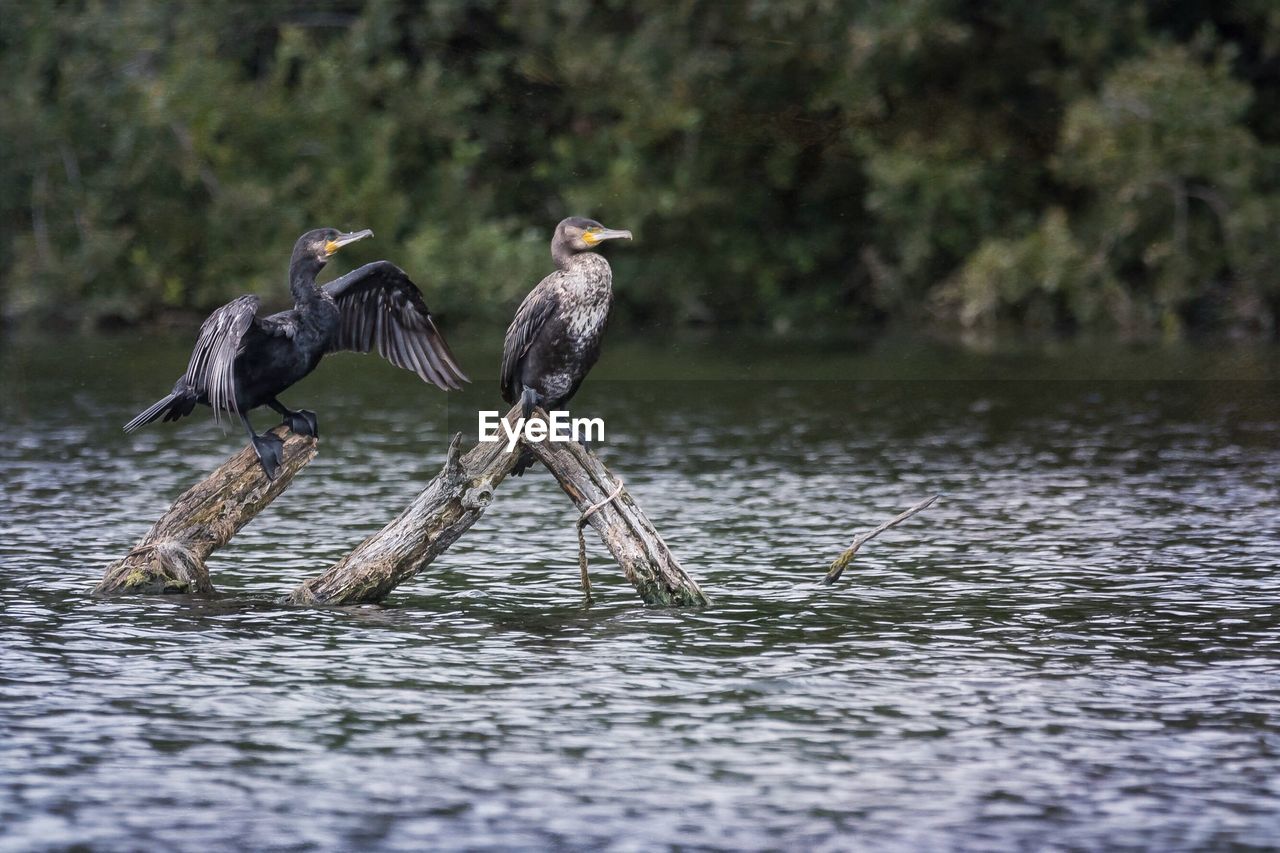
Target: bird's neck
563,254
302,283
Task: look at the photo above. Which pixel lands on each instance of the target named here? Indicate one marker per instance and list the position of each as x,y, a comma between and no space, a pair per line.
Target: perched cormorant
242,361
555,336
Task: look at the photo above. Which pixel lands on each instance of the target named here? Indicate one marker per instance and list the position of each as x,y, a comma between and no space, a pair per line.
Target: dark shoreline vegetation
1110,168
896,354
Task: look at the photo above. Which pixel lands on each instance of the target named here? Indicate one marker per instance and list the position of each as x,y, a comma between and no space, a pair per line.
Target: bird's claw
303,422
270,450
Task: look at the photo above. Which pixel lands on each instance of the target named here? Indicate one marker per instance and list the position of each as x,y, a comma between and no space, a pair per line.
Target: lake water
1077,646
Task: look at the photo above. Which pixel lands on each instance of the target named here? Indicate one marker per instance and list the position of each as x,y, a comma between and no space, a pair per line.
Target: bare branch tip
842,562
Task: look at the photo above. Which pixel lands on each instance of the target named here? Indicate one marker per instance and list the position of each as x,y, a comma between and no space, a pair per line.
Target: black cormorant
555,336
242,361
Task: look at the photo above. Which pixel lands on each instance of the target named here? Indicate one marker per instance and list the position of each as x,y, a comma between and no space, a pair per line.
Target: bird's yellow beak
343,239
595,236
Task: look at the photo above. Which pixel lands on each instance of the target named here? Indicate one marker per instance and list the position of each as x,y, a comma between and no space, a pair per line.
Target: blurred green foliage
1087,164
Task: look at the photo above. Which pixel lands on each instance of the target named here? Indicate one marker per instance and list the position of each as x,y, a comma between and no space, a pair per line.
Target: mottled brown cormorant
555,336
242,361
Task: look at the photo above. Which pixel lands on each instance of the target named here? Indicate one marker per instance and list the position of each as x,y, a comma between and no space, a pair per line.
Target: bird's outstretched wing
381,308
530,316
211,371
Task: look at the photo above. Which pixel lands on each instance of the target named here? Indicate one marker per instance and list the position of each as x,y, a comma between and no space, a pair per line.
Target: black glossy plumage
556,335
381,308
242,361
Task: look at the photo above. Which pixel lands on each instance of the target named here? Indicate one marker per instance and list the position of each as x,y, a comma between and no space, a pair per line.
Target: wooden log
623,527
459,495
171,557
442,512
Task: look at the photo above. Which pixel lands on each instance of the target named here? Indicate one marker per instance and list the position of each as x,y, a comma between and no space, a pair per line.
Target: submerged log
444,510
623,527
456,499
171,557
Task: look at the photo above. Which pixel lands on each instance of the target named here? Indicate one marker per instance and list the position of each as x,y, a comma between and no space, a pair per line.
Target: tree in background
793,166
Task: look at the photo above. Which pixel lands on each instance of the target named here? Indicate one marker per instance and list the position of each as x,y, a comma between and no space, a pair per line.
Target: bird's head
578,234
316,247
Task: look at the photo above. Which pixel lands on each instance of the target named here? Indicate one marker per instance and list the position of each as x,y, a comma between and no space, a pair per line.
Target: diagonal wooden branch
459,495
442,512
839,564
171,557
623,527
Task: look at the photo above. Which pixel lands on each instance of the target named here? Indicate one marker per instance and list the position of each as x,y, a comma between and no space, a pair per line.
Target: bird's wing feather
211,371
530,317
283,324
381,308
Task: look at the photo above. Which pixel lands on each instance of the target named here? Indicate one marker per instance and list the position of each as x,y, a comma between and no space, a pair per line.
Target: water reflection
1077,646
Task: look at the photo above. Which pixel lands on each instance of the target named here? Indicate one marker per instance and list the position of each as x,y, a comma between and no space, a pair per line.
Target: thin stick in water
839,564
582,542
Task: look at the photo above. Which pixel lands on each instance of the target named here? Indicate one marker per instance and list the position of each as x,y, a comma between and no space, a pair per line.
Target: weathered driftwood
623,527
445,509
456,499
840,563
171,557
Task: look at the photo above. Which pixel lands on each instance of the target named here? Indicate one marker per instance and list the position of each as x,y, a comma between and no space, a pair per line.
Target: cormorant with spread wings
242,361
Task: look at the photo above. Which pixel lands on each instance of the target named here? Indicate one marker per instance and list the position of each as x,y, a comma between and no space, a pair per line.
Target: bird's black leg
302,422
270,448
529,400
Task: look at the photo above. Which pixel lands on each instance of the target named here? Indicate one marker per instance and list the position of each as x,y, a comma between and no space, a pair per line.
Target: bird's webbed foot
524,463
270,450
303,422
529,400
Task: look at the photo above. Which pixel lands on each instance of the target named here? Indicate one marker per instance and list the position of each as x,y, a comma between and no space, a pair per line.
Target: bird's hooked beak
343,239
595,236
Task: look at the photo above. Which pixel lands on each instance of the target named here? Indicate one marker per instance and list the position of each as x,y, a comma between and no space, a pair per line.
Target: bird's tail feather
171,407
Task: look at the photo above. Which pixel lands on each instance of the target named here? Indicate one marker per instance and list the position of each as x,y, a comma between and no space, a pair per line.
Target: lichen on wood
171,557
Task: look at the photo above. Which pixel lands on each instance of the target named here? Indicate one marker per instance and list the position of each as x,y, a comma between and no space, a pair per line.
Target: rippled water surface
1077,646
